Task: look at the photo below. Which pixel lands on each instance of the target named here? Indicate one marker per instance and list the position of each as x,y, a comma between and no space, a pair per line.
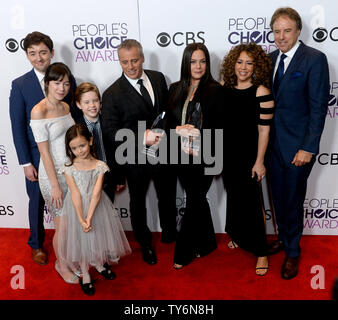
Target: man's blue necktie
279,73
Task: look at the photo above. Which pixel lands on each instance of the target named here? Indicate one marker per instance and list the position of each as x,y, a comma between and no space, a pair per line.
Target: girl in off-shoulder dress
91,233
50,119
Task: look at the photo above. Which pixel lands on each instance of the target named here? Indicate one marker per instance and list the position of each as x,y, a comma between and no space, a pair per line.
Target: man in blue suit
26,92
301,90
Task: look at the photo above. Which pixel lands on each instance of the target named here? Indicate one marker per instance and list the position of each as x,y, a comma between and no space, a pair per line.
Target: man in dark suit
26,92
140,95
301,89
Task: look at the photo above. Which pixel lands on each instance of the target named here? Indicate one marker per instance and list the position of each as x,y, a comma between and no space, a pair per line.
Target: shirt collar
88,122
291,52
133,82
39,75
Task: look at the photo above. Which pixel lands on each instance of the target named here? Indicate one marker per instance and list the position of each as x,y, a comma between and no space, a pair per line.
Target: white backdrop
86,35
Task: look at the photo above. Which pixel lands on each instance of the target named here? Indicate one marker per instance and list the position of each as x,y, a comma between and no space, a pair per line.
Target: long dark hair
78,130
184,82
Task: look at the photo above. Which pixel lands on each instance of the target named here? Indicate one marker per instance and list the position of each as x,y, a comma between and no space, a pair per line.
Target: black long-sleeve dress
197,235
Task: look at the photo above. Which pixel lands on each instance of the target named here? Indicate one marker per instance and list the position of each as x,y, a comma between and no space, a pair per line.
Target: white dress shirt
287,60
146,83
41,78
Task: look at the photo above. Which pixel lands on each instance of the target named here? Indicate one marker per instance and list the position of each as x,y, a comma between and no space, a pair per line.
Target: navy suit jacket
26,92
301,102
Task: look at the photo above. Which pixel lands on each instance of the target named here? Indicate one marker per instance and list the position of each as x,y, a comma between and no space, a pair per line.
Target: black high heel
87,288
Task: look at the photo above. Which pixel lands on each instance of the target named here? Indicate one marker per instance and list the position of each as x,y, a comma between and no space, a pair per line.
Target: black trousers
138,179
197,234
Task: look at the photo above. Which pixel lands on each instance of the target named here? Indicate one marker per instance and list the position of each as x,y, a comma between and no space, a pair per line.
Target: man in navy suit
140,95
26,92
301,90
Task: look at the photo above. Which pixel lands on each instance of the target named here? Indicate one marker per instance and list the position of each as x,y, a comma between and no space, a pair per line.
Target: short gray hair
128,44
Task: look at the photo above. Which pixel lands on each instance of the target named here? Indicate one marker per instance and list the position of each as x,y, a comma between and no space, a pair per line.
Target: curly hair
262,65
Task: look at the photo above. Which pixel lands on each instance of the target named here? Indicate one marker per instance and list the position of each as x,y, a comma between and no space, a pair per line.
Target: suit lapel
295,62
274,56
132,93
34,83
154,85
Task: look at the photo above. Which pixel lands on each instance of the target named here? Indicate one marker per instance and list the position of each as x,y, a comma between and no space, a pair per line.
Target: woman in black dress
246,122
195,95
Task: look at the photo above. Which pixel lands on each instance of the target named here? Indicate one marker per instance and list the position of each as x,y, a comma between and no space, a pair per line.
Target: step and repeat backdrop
86,35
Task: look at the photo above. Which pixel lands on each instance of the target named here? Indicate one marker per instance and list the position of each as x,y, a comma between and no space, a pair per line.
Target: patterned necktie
96,136
42,84
279,73
144,92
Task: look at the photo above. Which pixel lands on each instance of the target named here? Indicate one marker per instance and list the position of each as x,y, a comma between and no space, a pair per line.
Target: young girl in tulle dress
91,233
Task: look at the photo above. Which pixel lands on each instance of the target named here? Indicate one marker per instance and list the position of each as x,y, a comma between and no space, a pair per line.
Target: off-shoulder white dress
52,130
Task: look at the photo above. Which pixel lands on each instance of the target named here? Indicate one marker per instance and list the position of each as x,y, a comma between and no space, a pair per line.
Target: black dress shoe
290,268
167,237
275,247
87,288
149,256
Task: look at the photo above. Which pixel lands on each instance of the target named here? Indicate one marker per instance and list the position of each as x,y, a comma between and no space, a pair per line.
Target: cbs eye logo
163,39
12,45
320,34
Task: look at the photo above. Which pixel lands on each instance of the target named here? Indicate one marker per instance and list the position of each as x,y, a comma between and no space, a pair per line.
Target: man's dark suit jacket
301,102
123,107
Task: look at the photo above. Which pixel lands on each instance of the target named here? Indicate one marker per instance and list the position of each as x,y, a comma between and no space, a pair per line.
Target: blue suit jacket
26,92
301,102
